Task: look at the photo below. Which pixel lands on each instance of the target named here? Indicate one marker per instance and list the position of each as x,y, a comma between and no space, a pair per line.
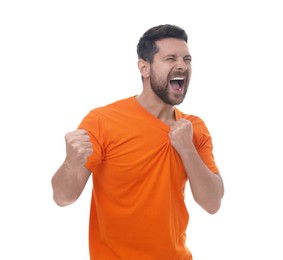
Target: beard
161,87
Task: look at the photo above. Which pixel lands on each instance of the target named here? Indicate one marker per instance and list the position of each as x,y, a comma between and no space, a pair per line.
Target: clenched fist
181,135
78,147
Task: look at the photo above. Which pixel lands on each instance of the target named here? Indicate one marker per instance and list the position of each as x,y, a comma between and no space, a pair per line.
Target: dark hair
146,47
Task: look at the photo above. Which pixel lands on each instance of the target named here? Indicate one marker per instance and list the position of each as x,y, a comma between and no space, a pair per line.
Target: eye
188,59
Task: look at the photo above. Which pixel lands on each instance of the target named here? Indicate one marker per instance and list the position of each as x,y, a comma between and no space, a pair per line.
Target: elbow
210,206
213,208
59,202
62,199
59,197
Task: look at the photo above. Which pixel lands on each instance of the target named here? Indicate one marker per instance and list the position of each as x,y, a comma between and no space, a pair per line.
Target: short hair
147,48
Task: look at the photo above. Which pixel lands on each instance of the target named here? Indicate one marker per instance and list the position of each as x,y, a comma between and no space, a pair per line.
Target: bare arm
207,187
70,179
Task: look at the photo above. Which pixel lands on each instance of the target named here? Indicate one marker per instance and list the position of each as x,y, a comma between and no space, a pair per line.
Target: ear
144,68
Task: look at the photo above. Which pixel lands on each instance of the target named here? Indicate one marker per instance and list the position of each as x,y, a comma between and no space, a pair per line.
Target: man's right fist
78,147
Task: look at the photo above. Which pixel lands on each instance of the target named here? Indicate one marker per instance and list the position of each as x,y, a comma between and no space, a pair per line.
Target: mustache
180,74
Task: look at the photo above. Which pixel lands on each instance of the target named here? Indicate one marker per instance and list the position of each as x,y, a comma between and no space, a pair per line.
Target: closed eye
171,59
188,58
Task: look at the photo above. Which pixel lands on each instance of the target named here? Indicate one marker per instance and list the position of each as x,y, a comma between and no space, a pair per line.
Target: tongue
175,85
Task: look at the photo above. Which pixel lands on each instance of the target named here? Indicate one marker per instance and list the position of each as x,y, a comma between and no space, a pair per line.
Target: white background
59,59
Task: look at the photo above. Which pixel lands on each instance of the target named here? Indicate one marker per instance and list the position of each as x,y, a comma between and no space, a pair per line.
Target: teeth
178,78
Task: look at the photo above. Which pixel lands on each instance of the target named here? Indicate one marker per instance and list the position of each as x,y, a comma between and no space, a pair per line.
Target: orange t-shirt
137,208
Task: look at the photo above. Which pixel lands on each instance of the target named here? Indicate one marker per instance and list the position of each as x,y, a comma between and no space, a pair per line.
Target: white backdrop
59,59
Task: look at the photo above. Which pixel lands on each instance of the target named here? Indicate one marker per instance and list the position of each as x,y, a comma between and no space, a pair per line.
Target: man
141,151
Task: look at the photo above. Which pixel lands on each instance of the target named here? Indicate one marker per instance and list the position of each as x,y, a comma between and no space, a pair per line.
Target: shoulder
105,117
111,107
117,105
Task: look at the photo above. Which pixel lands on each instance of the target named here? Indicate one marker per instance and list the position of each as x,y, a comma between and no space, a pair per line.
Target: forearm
66,185
207,187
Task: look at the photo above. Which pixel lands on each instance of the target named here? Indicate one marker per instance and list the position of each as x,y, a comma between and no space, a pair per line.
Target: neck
157,107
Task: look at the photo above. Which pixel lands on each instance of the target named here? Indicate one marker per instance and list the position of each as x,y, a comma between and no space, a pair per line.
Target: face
170,71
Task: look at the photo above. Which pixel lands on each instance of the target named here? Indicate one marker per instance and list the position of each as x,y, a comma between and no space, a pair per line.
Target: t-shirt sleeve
203,143
93,125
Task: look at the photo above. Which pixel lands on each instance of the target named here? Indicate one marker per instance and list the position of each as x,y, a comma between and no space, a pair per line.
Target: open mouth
177,83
